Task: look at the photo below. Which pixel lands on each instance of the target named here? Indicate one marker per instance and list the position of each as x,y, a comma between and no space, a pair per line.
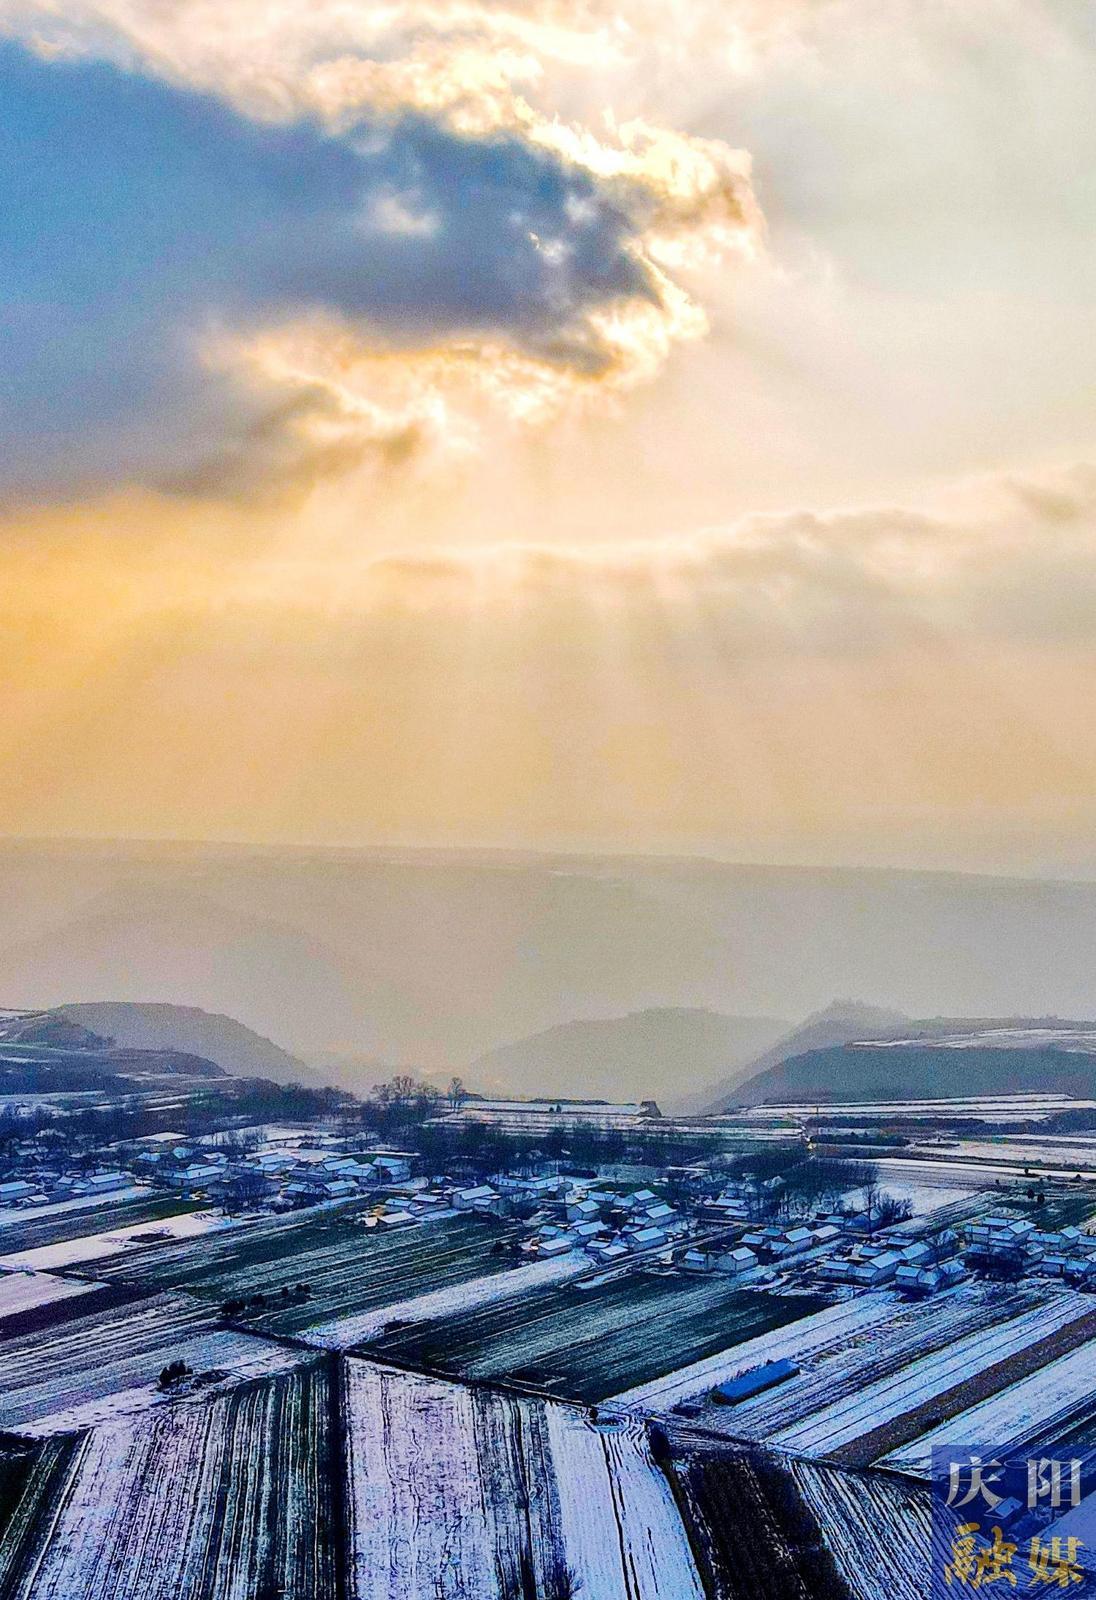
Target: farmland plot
870,1405
458,1297
26,1291
905,1334
222,1499
459,1495
622,1534
70,1376
755,1536
1040,1407
929,1192
349,1269
817,1332
23,1229
878,1530
30,1482
98,1246
585,1343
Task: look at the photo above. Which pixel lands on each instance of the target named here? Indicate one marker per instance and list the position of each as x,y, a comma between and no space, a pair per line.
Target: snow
49,1377
454,1489
23,1291
418,1524
866,1520
239,1355
874,1404
98,1246
1050,1400
196,1502
1068,1155
961,1166
984,1108
343,1332
14,1214
833,1326
622,1535
926,1191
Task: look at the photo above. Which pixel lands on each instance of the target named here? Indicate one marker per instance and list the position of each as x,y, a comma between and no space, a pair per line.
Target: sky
666,425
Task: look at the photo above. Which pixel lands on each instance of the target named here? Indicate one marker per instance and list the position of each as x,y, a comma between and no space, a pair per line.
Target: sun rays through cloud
665,424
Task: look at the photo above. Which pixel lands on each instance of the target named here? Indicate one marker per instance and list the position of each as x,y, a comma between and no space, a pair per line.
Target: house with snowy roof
647,1238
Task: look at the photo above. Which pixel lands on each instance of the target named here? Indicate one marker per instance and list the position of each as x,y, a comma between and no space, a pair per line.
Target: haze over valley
626,976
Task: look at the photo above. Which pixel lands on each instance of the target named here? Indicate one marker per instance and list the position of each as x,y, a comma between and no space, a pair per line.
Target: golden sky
665,425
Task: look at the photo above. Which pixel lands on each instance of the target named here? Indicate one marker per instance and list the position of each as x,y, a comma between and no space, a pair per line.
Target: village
783,1305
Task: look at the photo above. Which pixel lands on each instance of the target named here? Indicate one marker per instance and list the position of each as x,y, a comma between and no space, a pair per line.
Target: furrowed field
457,1493
223,1499
343,1480
348,1268
67,1376
31,1480
587,1343
24,1230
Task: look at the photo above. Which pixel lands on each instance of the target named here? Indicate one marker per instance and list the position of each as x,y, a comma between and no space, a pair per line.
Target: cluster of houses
282,1174
1016,1246
839,1249
47,1186
917,1266
610,1222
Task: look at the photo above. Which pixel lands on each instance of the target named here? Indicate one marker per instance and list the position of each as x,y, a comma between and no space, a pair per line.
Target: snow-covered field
220,1500
343,1332
622,1535
352,1271
1064,1156
455,1491
109,1361
236,1357
907,1332
11,1215
878,1530
985,1108
831,1328
23,1291
926,1189
925,1198
1049,1401
98,1246
958,1169
854,1415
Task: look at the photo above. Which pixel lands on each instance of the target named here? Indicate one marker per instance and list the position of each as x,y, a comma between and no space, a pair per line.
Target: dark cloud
136,219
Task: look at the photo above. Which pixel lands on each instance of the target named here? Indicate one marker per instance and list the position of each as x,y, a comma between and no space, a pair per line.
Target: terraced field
587,1343
349,1269
232,1498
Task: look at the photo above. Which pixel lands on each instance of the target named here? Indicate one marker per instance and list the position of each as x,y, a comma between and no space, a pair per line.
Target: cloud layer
218,259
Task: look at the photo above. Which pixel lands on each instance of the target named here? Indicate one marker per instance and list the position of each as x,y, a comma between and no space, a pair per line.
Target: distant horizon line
517,854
